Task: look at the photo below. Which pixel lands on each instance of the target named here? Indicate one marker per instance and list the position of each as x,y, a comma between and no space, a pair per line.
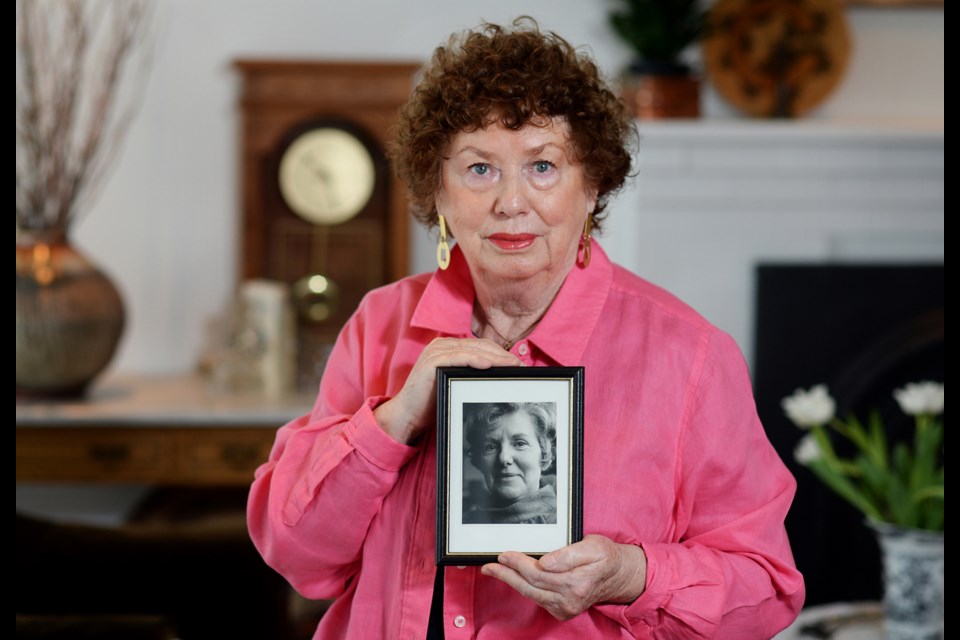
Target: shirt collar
447,306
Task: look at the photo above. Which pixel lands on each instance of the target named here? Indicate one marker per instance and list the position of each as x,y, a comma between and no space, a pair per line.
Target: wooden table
837,621
171,431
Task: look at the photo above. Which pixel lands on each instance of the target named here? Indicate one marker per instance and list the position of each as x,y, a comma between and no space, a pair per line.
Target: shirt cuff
364,434
645,610
669,592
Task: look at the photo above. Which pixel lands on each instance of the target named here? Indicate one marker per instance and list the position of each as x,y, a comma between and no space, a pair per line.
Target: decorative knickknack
658,83
653,92
776,59
71,57
69,317
912,582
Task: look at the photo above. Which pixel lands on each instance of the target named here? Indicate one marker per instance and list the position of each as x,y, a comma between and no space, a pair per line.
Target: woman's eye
521,444
480,169
542,166
489,447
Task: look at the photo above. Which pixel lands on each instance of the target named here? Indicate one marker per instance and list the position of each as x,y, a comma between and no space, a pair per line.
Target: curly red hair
516,76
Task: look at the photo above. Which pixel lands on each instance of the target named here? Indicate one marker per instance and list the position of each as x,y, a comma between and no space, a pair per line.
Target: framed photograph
509,461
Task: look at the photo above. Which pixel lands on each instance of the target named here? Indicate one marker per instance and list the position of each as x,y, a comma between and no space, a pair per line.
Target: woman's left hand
568,581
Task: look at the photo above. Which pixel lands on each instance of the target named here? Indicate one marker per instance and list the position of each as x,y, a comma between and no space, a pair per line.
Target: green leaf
826,447
876,480
903,508
901,461
931,491
659,29
928,444
855,432
846,490
878,436
930,505
932,515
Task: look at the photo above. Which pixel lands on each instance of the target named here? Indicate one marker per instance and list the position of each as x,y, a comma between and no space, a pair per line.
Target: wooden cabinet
119,455
218,456
163,431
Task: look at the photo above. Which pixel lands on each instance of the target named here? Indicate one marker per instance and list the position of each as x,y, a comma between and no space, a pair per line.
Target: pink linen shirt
675,460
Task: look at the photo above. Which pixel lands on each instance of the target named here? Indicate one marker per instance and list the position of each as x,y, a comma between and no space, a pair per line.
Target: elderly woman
512,444
512,144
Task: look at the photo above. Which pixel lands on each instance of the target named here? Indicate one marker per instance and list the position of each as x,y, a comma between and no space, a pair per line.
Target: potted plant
898,486
658,82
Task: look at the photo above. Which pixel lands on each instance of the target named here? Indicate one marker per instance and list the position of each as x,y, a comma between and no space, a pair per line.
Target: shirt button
459,622
461,566
523,349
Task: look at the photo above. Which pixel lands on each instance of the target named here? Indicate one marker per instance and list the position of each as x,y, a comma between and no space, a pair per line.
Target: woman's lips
512,241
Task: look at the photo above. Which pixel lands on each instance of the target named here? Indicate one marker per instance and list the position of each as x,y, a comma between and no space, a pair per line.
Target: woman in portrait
512,144
512,444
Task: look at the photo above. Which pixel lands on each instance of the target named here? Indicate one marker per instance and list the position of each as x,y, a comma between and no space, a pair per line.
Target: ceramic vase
913,582
69,316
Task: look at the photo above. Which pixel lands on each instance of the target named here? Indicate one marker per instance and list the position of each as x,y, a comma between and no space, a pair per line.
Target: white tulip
810,408
807,450
921,398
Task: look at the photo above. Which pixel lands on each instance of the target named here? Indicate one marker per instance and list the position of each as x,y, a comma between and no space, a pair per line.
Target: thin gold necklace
504,342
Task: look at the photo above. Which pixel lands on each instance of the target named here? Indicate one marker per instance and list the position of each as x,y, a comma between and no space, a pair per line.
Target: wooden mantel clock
322,210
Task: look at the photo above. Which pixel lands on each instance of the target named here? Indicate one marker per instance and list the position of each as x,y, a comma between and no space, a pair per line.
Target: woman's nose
506,455
511,199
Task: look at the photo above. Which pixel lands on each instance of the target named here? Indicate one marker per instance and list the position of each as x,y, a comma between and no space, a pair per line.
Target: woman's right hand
405,415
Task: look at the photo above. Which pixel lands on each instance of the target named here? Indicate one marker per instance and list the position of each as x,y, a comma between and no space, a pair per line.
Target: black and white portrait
509,461
509,470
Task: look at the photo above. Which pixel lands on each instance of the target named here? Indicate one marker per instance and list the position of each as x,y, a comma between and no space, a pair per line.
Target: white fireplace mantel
713,198
865,129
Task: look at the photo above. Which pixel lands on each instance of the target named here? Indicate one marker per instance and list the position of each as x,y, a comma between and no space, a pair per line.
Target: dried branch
73,110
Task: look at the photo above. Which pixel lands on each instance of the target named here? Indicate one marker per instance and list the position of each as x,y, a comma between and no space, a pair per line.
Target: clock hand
321,173
327,179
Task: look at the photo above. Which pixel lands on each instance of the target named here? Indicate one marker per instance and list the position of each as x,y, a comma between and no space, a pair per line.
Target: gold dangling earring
585,261
443,249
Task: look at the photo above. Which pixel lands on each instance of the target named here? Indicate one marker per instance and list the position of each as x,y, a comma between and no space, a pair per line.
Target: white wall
166,222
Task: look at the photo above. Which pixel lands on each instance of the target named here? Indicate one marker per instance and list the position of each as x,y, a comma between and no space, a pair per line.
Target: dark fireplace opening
864,330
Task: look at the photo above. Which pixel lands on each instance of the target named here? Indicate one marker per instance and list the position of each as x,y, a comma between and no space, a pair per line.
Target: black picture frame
494,483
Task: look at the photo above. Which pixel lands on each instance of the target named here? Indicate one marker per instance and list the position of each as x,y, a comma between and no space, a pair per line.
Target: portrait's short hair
516,76
543,414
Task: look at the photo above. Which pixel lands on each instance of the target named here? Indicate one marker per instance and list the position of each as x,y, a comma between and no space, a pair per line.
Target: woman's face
510,457
516,201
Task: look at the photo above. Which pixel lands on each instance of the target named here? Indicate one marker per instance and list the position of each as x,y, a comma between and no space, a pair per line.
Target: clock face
326,176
